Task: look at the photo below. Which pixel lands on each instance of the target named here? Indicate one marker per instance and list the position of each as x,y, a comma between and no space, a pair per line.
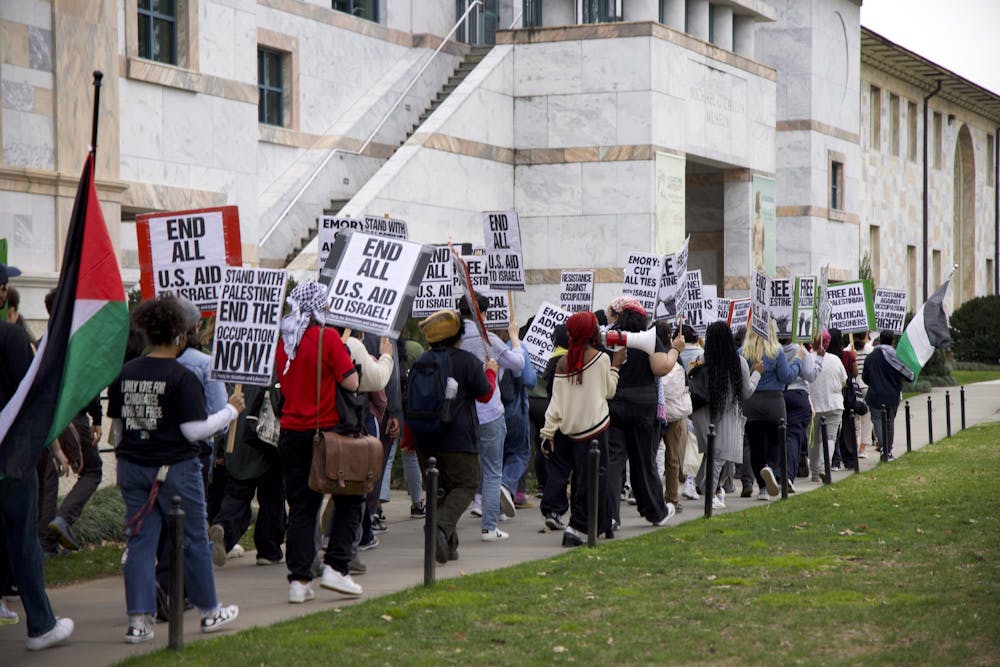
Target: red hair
582,330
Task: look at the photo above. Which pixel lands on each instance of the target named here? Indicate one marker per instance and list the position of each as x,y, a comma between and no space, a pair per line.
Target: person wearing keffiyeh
298,364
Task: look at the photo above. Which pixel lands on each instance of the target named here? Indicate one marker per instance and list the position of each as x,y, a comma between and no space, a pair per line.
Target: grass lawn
88,563
969,377
896,566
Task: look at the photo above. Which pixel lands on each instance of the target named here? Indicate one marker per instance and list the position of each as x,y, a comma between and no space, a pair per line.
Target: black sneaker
747,490
552,522
65,535
442,551
418,510
378,524
219,618
571,539
139,631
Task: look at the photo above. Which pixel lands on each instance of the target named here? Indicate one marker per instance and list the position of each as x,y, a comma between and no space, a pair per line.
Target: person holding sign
635,431
298,363
766,406
158,412
585,381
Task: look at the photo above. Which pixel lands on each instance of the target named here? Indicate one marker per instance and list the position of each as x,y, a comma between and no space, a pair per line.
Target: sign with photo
505,263
674,268
248,325
576,291
890,310
805,308
780,305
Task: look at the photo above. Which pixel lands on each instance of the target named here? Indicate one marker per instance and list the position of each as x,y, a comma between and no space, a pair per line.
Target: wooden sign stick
231,436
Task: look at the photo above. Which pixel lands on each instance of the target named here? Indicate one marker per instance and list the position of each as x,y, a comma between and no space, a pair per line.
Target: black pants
458,477
558,470
765,450
235,514
295,448
575,456
635,434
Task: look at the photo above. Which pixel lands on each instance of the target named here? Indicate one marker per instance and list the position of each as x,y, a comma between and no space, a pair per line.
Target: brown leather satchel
343,464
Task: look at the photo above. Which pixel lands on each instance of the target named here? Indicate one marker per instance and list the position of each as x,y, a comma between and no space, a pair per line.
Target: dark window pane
165,7
163,41
273,108
260,67
144,37
144,4
260,105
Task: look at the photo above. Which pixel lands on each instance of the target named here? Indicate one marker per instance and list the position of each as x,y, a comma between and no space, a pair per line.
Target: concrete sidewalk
98,607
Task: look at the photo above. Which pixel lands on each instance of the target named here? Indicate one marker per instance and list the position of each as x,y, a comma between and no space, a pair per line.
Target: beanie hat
441,325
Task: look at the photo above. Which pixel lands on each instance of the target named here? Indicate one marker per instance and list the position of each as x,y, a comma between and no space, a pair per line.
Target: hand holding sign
236,400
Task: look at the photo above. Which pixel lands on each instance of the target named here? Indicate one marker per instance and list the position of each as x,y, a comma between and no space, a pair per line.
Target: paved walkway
97,607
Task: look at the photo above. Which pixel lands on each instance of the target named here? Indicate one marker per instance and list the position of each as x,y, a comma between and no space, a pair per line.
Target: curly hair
162,319
722,363
632,321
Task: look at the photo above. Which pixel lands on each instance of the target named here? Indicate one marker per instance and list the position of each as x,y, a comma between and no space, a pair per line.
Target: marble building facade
576,123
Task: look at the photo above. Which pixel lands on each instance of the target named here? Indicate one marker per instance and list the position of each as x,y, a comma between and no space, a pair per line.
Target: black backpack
425,391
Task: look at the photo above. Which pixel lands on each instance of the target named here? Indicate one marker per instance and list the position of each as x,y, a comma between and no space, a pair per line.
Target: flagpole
98,75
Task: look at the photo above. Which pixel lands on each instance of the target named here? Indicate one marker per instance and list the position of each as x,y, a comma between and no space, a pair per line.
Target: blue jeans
184,480
411,474
885,439
491,437
19,520
516,448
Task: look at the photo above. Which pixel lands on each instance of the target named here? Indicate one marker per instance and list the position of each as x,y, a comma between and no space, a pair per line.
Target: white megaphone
640,340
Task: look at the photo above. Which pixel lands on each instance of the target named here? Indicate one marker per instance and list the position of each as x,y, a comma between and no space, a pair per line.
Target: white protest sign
370,224
642,279
722,309
890,310
739,313
689,299
851,307
666,304
247,325
497,313
780,305
436,289
503,250
576,290
373,281
760,315
805,308
538,339
709,298
188,256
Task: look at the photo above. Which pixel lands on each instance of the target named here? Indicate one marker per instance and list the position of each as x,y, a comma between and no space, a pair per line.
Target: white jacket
676,397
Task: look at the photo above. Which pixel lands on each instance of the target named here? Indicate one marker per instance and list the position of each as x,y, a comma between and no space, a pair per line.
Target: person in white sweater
585,380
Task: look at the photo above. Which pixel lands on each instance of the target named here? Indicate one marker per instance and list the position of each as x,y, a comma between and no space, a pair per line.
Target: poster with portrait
762,225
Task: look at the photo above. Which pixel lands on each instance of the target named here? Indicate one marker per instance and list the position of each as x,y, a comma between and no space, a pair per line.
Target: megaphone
640,340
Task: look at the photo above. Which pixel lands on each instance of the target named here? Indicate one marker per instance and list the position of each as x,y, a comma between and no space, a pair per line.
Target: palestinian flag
927,331
82,350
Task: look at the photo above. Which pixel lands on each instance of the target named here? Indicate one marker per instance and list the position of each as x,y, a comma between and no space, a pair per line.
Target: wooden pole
231,437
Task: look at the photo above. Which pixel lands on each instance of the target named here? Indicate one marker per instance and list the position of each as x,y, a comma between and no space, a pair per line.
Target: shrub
974,331
103,518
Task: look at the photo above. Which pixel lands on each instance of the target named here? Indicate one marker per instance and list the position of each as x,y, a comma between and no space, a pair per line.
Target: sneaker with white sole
689,491
369,545
494,535
477,506
718,503
140,629
553,522
341,583
763,495
269,561
507,502
217,536
60,632
7,616
237,552
770,481
671,510
299,592
221,617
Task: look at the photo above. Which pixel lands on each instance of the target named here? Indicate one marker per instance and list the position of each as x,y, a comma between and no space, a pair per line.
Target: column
640,10
736,233
744,29
722,27
673,13
697,19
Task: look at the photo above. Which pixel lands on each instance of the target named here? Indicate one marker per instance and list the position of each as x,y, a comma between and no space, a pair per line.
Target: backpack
425,391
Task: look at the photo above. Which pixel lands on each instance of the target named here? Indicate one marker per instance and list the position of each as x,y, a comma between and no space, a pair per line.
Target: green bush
103,518
974,330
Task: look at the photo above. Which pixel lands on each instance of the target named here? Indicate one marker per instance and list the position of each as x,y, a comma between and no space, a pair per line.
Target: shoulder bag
343,464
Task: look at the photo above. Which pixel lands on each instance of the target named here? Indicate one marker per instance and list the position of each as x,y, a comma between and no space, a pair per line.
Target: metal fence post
884,435
827,478
593,491
930,421
430,524
175,612
947,413
909,436
961,394
783,451
710,481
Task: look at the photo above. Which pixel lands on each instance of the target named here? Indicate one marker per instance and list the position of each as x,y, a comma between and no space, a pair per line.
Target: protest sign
370,224
739,313
373,281
690,297
497,313
642,279
503,250
780,306
805,308
760,315
709,298
436,289
247,325
674,268
185,252
851,306
576,291
538,339
890,310
722,307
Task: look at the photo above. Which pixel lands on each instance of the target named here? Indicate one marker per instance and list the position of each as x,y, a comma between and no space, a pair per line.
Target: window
158,30
911,131
894,124
935,268
875,119
937,141
836,185
270,105
599,11
990,160
365,9
875,253
711,24
911,272
532,13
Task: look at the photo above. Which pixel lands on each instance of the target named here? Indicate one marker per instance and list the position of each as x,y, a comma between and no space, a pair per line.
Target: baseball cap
7,272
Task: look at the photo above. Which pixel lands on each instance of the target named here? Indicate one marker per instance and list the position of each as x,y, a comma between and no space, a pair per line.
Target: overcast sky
960,35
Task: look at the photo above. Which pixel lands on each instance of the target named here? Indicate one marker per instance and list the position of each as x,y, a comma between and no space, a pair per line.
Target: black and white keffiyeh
308,301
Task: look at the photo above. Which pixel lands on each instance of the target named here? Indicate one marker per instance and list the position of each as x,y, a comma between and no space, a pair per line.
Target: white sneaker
507,502
342,583
477,506
140,629
689,491
770,481
236,552
7,617
718,503
222,616
671,510
494,535
60,632
763,495
217,538
299,592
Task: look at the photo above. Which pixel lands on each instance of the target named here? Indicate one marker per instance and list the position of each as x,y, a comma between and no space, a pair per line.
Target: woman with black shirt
158,412
635,431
